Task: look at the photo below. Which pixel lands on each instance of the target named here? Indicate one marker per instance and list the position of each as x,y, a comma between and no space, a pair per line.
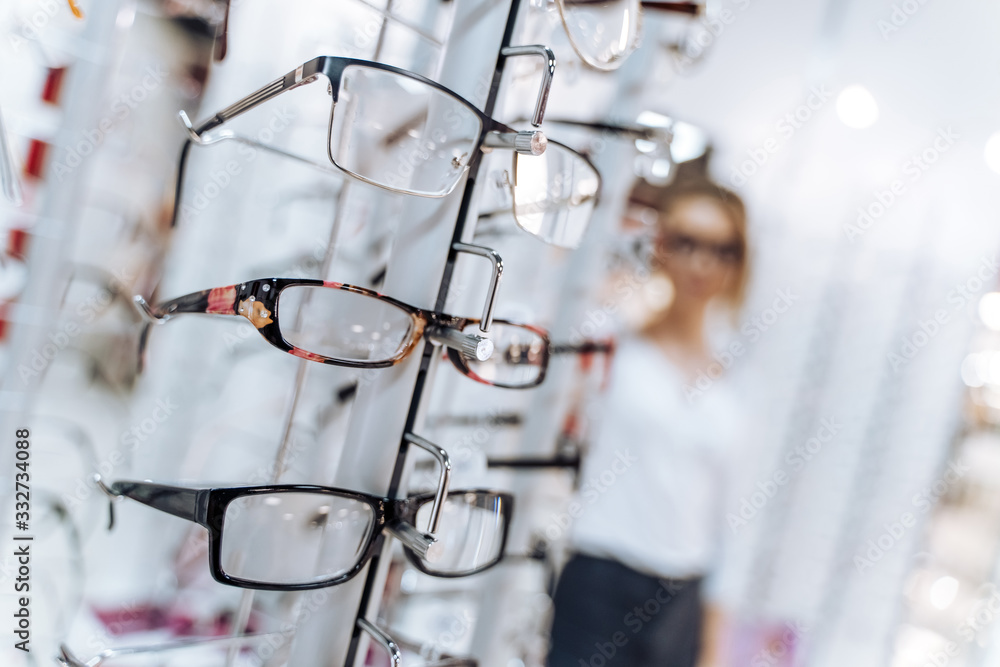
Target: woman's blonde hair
663,199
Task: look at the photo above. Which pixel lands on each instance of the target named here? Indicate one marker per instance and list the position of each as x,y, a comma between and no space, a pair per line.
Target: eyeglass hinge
147,313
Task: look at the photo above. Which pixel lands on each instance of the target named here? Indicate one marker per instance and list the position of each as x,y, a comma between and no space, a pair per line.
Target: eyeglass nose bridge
548,71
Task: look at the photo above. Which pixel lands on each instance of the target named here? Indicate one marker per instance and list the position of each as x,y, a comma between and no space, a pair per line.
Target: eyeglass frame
207,508
492,134
688,8
509,183
66,658
439,328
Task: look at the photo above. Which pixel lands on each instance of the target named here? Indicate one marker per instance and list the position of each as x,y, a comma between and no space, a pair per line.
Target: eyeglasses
9,180
686,246
184,652
551,196
292,537
344,325
603,33
391,647
396,130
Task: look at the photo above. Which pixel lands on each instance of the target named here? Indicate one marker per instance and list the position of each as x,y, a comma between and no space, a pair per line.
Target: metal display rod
428,352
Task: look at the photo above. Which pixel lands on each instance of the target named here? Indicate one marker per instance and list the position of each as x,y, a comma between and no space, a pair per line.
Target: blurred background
864,137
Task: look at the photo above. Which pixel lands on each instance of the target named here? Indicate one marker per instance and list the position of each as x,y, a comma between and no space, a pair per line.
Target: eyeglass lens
603,33
554,195
341,324
288,538
518,356
400,132
470,532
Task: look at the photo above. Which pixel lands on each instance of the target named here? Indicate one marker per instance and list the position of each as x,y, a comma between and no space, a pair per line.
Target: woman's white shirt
655,481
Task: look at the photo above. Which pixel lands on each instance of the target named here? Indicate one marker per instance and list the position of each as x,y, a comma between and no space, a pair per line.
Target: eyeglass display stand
467,60
373,456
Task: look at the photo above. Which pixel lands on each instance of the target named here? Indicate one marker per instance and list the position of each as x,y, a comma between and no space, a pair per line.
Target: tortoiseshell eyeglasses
345,325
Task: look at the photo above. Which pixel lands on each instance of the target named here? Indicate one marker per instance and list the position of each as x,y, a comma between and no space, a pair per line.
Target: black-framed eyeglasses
395,129
187,649
289,537
255,650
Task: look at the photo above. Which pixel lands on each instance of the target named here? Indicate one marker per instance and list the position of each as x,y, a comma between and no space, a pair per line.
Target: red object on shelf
17,243
53,84
37,152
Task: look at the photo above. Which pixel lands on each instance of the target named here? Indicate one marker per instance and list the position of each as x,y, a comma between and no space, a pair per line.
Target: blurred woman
649,521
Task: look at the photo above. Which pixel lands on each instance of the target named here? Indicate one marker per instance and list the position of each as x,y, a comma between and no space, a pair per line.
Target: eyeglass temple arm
691,8
586,347
190,504
491,294
8,170
304,73
216,301
395,656
548,71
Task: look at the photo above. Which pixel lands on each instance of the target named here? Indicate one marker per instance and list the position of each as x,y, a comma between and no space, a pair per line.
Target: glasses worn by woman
685,246
344,325
290,537
392,128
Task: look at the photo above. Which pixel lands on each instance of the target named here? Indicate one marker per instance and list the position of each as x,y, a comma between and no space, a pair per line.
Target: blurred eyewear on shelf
604,33
9,179
255,650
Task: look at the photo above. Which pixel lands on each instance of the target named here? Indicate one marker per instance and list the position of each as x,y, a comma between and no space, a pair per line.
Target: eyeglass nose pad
444,461
146,312
491,296
395,656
